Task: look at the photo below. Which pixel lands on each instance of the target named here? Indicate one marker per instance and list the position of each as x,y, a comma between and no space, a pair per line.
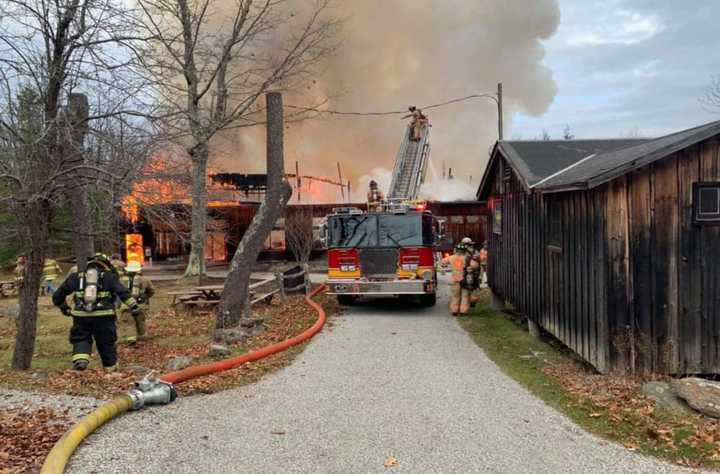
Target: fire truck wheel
428,300
347,300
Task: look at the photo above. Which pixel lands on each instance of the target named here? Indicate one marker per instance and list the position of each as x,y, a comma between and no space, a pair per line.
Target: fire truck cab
389,253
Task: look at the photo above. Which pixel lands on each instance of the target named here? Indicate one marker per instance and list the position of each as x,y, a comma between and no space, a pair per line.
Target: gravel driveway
386,381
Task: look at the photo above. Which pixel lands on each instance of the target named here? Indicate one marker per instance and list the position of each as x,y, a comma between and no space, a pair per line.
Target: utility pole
500,110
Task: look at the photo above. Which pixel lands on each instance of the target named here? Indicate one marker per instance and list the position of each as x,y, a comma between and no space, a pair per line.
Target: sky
628,67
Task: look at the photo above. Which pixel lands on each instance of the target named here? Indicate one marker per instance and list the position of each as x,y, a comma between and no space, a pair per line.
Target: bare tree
711,98
49,50
299,233
212,60
567,133
235,301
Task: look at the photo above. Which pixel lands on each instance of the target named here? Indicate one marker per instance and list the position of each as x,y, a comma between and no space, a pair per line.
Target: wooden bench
7,288
191,305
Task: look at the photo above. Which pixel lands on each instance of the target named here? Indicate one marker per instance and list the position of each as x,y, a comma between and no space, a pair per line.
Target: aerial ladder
410,166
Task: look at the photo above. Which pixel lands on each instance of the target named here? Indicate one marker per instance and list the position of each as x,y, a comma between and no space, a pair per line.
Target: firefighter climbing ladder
410,166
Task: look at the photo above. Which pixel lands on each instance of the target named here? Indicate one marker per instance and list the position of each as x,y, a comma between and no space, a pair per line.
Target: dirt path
387,381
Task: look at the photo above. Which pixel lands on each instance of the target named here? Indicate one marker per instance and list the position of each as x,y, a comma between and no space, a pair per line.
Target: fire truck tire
428,300
347,300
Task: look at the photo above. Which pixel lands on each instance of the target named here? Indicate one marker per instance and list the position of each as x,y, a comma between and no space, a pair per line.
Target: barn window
706,202
554,222
497,216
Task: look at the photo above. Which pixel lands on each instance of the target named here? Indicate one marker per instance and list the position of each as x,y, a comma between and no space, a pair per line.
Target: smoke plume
416,52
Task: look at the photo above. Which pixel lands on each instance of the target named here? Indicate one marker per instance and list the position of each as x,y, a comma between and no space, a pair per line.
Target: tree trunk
196,261
77,113
39,216
235,301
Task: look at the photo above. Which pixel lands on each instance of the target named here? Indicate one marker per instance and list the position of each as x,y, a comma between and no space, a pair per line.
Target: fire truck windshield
382,230
352,231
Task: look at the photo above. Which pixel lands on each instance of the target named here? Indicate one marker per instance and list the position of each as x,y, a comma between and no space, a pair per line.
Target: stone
664,396
179,363
135,369
702,395
219,350
231,336
12,311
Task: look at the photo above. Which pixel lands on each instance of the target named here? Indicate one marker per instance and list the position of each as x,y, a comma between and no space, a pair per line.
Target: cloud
641,64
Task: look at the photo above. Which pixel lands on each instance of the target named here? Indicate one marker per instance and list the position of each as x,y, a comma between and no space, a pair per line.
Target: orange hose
226,364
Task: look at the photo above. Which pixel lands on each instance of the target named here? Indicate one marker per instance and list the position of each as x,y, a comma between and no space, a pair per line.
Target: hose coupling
151,391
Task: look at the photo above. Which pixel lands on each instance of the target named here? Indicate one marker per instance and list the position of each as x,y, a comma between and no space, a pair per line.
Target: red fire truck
389,253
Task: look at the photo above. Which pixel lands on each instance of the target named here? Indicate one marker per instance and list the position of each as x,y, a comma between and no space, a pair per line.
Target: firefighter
462,269
118,264
375,198
51,271
476,277
483,261
417,121
141,289
93,311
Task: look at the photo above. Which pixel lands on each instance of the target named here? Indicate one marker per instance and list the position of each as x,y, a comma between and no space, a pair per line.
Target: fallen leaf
595,415
390,462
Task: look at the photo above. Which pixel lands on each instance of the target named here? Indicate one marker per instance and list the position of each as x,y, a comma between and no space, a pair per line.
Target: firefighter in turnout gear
51,272
375,198
93,311
118,264
463,270
475,268
141,289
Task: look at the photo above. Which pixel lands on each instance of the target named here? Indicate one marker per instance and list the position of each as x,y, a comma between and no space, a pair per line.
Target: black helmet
373,184
101,260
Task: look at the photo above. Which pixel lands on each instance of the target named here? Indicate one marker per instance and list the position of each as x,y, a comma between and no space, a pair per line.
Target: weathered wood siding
670,283
561,287
633,283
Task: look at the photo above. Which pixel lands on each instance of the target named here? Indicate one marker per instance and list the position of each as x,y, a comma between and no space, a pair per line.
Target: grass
610,406
172,334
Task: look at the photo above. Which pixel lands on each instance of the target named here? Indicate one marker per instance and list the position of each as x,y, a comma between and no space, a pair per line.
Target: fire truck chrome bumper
396,287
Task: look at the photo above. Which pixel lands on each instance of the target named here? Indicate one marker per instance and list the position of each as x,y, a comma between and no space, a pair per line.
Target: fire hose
150,391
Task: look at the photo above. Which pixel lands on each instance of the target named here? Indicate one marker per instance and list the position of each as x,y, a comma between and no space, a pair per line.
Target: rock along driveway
387,381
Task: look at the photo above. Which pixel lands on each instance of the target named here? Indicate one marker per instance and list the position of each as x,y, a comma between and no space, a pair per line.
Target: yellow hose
64,448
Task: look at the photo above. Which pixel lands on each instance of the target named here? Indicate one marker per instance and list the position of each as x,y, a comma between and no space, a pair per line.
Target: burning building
157,215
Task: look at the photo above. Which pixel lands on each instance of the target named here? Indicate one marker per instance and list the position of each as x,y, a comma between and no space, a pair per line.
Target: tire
428,300
347,300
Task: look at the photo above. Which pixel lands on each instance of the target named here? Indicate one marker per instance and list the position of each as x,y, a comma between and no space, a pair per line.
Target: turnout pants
459,299
102,330
137,323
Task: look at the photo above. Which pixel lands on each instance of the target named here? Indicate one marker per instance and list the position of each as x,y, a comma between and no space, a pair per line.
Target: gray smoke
418,52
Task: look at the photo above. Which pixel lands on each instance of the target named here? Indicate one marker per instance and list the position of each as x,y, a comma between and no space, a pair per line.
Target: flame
134,248
158,184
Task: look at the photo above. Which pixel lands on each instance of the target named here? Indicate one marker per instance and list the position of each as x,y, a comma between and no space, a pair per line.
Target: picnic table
180,296
210,292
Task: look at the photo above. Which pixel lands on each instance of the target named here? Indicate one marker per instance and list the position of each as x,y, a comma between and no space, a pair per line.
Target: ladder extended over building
410,166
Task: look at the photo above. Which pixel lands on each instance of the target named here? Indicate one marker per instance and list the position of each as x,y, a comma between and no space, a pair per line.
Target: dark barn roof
604,167
536,160
564,165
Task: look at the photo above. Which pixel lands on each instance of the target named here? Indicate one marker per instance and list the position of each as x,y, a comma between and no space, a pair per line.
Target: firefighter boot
140,327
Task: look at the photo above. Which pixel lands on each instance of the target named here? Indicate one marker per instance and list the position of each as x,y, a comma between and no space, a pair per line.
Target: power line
392,112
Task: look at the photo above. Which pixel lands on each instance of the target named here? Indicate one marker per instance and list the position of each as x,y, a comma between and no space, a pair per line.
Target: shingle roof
603,167
537,160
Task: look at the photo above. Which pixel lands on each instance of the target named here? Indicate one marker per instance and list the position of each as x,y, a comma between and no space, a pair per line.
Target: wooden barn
612,246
